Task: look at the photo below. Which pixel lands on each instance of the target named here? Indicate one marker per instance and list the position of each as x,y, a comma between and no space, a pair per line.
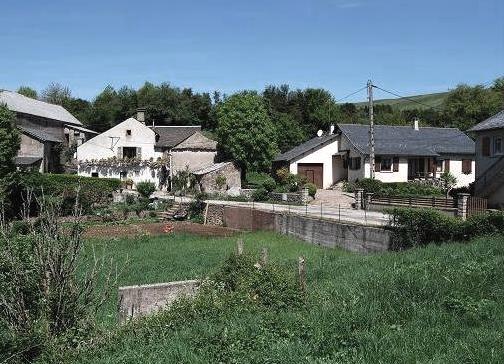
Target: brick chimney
141,114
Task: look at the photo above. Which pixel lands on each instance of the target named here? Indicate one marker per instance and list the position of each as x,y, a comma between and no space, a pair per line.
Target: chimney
141,115
415,123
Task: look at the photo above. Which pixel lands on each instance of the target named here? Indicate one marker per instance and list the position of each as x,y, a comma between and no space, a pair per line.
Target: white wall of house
100,147
322,155
391,176
456,170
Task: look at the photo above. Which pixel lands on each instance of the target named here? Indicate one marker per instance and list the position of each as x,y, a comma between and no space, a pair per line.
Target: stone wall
323,232
299,198
135,301
214,215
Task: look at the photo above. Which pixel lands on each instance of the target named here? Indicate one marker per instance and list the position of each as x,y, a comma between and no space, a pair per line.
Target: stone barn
224,177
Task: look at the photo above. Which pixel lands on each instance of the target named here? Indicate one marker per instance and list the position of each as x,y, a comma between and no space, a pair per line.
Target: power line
407,98
353,93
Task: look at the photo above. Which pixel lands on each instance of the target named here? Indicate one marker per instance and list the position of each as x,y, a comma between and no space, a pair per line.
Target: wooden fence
476,205
436,202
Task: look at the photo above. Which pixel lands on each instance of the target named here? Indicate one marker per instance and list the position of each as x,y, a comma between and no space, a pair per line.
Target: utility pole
371,130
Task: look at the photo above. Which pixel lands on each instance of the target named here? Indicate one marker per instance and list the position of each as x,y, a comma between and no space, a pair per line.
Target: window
128,132
94,174
439,166
485,147
386,164
129,152
123,175
447,165
466,166
395,161
497,146
354,163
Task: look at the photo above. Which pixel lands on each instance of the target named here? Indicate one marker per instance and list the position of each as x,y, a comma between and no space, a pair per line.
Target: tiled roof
212,168
198,141
39,134
493,122
405,140
171,136
306,147
26,105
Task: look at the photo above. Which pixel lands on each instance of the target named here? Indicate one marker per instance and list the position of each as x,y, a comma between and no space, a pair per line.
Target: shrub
256,179
145,188
268,184
220,181
312,189
183,181
403,189
419,227
91,190
260,195
289,182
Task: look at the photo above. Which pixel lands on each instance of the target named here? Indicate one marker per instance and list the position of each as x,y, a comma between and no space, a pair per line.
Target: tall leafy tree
9,141
56,93
28,92
245,132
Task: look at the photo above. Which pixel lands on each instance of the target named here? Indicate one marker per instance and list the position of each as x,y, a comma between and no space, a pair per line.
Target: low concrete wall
135,301
323,232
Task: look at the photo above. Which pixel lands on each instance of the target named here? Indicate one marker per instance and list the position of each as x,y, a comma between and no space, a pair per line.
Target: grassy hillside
432,100
442,304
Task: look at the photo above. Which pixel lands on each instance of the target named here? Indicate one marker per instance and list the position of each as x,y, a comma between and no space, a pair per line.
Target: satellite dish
319,133
331,129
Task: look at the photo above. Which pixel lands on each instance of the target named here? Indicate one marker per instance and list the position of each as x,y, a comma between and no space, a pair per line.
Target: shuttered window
485,147
377,165
354,163
396,164
447,165
466,166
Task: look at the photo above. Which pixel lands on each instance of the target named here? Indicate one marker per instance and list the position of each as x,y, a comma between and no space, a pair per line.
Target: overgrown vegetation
436,304
145,189
419,227
402,189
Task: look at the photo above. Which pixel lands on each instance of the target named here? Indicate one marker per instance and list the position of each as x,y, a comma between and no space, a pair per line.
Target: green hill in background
432,100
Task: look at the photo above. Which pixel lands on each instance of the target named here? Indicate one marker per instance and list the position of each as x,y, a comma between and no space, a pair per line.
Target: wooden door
313,172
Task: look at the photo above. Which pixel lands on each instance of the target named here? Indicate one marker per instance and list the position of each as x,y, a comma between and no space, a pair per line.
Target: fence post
369,196
264,257
302,274
306,209
339,212
358,198
321,210
462,205
239,246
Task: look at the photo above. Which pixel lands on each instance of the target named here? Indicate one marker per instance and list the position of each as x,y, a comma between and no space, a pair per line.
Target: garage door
313,172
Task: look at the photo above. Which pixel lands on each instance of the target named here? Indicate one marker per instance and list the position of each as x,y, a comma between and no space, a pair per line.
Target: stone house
45,129
219,178
134,151
490,160
402,153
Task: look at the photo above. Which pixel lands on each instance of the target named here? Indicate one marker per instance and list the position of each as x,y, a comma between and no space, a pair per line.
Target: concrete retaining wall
135,301
324,232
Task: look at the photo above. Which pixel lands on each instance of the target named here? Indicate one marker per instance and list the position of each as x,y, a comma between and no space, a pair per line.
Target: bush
220,181
145,188
312,189
93,191
403,189
260,195
419,227
268,184
256,179
289,182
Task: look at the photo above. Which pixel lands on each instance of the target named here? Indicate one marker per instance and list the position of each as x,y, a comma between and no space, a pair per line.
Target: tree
28,92
289,132
449,181
9,141
56,93
245,132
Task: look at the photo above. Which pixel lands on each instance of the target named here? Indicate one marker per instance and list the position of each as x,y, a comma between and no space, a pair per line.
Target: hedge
402,189
419,227
92,190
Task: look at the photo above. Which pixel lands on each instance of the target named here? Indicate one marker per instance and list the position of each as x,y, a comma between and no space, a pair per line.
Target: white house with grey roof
44,127
490,160
402,153
132,150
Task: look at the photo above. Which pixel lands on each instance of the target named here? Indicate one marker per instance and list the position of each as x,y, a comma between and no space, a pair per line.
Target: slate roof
39,134
26,161
80,128
493,122
211,168
404,140
171,136
198,141
306,147
26,105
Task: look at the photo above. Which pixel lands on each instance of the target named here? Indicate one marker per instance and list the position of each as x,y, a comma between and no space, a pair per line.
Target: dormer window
128,132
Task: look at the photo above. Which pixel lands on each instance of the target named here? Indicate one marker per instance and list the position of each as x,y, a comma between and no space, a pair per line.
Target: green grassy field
440,304
432,100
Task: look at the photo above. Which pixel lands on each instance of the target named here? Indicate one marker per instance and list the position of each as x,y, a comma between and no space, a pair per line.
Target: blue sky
228,45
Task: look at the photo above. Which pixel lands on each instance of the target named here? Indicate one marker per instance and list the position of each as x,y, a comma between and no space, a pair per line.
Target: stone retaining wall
135,301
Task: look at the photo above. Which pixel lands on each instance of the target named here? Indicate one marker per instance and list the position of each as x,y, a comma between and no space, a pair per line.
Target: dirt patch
154,229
